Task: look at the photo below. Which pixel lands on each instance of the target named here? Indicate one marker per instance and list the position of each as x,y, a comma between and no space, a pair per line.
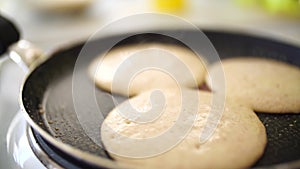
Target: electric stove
15,150
20,146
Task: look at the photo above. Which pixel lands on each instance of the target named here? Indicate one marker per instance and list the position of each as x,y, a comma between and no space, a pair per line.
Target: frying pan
46,97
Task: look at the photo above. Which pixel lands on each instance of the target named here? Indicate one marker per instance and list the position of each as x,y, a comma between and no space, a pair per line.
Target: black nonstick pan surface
48,92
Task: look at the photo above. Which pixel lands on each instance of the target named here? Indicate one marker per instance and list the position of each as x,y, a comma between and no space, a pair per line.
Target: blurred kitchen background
50,23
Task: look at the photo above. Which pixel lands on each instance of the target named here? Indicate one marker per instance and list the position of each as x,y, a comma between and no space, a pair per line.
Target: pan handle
9,34
25,54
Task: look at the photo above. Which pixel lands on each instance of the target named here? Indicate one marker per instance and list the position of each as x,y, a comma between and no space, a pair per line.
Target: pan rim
104,162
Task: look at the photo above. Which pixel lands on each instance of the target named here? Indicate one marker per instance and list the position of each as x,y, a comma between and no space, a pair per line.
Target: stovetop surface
15,151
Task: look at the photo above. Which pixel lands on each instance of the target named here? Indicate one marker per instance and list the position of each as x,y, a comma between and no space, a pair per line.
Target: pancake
265,85
237,142
132,69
